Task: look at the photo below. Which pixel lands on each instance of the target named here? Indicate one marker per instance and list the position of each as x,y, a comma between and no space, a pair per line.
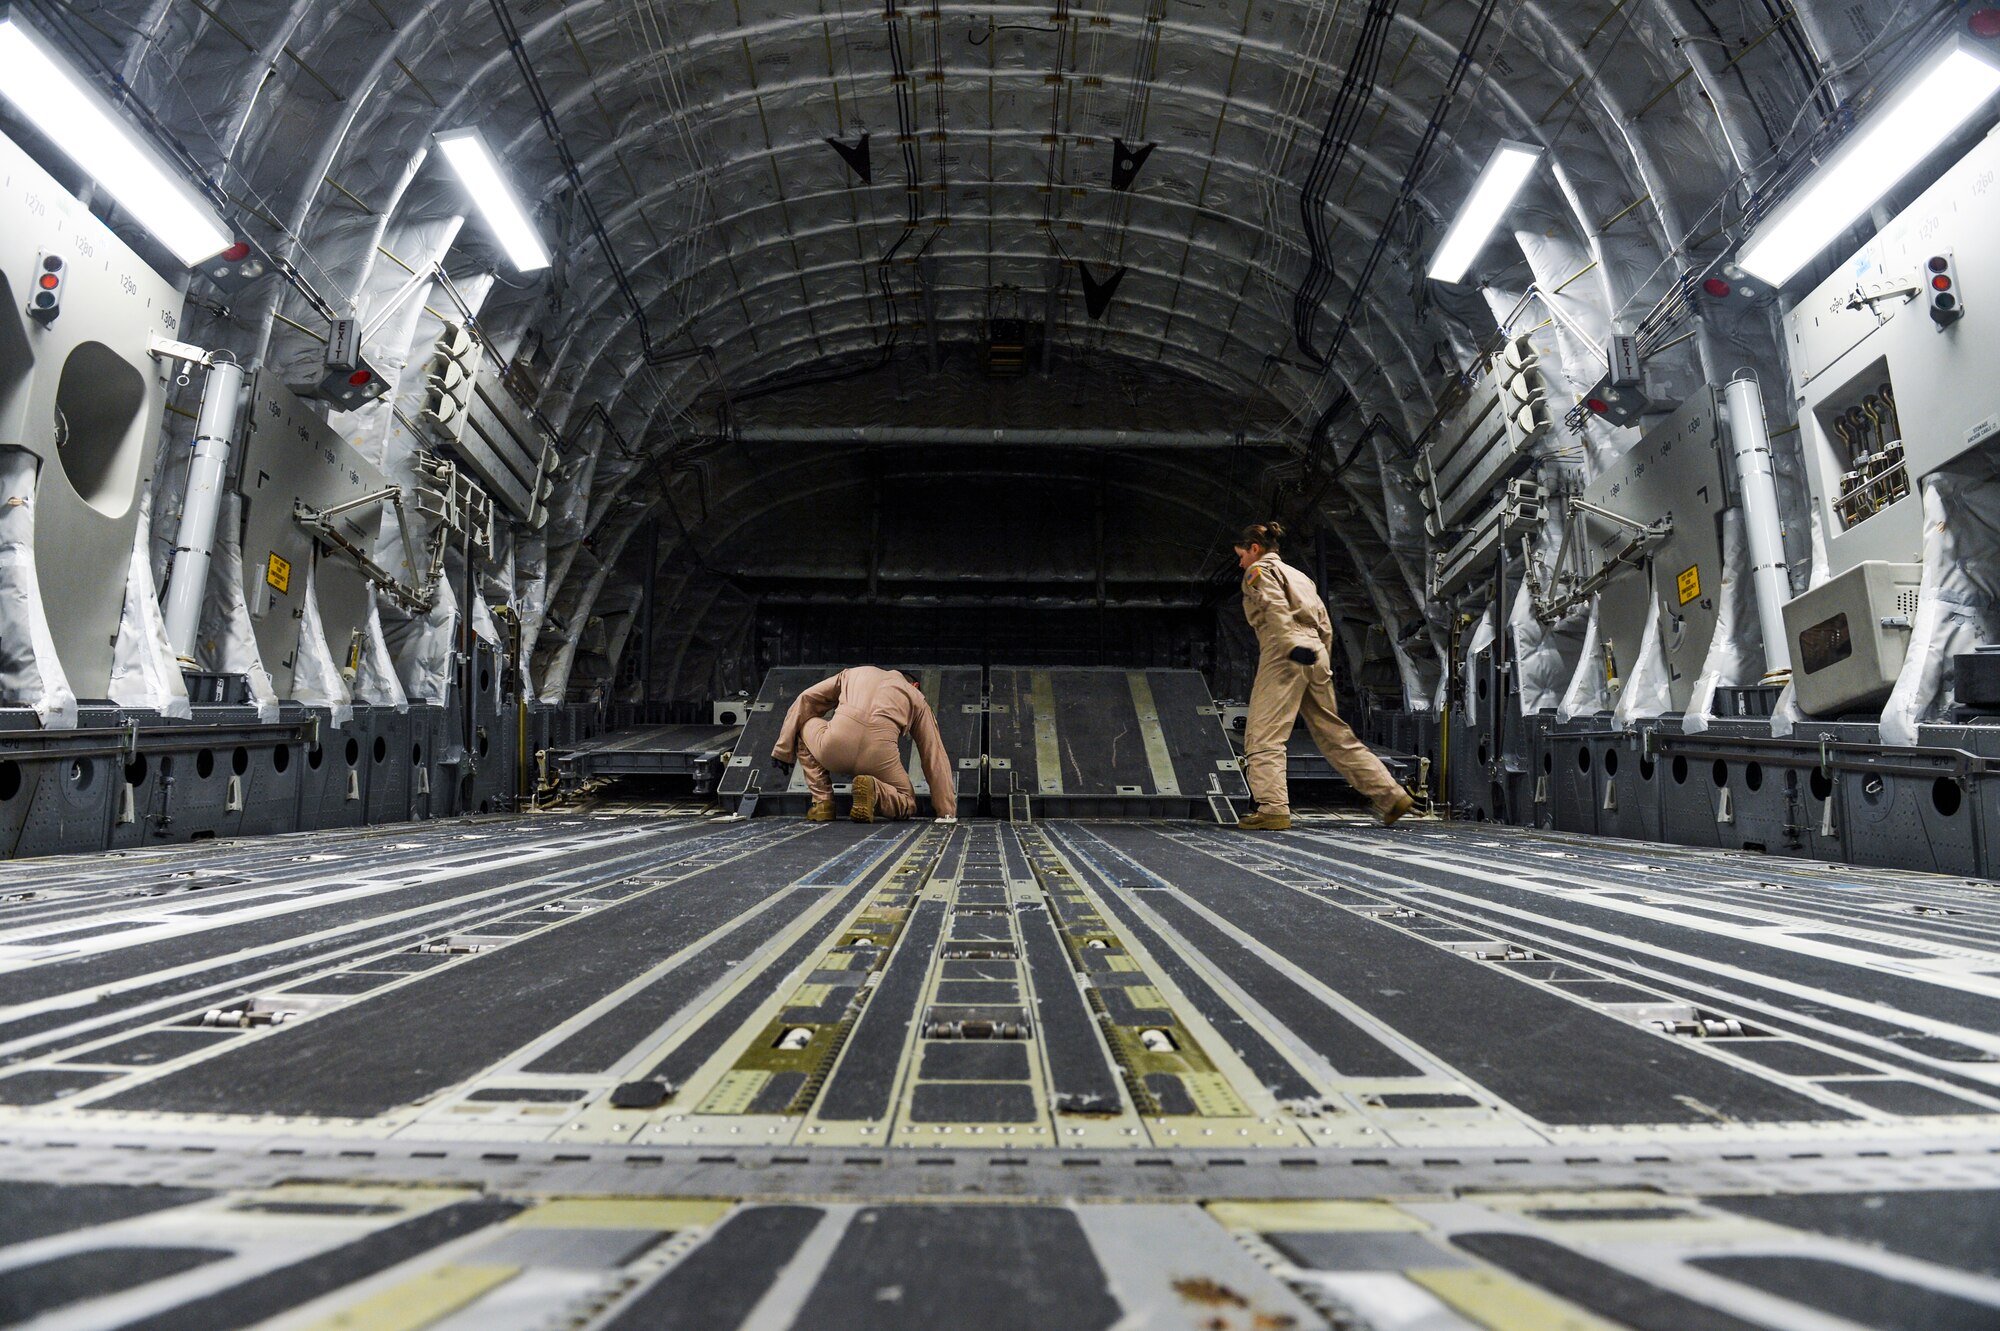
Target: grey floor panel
1080,1071
390,1050
600,1046
28,1292
1859,1295
1560,1061
1352,1051
973,1102
686,1058
31,1210
864,1079
717,1284
1616,1295
1958,1227
960,1267
974,1060
263,1297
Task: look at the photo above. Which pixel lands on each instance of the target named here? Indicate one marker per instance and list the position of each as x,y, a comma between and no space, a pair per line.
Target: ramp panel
1095,743
697,752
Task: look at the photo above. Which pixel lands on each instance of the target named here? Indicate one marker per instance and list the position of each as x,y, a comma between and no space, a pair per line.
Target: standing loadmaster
1294,676
874,709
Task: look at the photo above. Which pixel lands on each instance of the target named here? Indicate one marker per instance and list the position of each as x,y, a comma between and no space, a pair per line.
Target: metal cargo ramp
697,752
759,785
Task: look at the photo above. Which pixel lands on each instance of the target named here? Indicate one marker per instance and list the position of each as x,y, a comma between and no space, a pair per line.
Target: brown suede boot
1264,822
1402,806
864,800
820,812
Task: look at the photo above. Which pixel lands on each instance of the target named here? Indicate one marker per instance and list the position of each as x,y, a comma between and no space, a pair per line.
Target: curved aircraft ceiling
720,265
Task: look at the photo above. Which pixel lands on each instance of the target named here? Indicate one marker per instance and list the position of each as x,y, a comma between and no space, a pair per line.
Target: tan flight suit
876,708
1285,611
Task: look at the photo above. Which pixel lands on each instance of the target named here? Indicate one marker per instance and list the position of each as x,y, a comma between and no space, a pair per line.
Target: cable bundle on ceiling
1349,104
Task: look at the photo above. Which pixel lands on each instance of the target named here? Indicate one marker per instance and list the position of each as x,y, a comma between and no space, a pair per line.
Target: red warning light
1598,405
1984,23
1715,286
237,251
1941,283
50,281
359,377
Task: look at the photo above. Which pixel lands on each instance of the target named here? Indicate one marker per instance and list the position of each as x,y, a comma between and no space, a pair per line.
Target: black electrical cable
1406,193
546,113
1357,84
906,135
1784,19
972,34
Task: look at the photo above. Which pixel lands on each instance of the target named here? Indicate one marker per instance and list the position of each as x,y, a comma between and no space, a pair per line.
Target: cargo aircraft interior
1062,665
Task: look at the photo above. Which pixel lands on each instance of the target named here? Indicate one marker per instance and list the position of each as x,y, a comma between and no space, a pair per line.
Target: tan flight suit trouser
845,745
1285,690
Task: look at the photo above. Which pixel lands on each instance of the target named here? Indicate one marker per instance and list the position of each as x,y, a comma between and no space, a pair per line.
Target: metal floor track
656,1069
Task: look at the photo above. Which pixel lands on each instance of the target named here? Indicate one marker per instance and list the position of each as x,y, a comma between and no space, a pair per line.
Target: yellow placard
278,572
1690,584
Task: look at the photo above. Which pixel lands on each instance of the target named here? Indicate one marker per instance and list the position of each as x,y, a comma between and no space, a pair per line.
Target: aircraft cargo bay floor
653,1070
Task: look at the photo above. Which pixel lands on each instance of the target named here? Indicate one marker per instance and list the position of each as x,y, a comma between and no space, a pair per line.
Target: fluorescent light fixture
1492,195
468,154
58,101
1923,111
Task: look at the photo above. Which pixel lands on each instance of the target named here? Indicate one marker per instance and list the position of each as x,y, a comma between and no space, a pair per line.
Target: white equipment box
1850,634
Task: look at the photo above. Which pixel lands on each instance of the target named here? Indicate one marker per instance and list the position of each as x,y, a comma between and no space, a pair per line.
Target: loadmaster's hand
1303,655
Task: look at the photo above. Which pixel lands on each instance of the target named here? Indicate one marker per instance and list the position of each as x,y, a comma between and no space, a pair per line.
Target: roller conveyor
643,1069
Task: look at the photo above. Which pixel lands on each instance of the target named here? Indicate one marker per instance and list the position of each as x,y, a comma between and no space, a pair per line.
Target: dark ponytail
1270,535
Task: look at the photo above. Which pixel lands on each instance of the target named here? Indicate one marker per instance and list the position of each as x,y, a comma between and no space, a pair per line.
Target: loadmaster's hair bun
1267,534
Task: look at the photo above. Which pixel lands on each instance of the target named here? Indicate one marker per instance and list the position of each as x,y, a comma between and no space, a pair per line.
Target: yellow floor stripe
1315,1217
420,1300
1158,756
622,1213
1048,748
1499,1302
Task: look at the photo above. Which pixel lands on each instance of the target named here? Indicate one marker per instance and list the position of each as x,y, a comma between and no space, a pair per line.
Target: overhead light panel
1492,195
52,96
469,156
1925,109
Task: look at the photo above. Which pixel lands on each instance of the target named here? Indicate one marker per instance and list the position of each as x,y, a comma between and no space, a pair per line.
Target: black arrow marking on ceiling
1097,295
856,156
1126,162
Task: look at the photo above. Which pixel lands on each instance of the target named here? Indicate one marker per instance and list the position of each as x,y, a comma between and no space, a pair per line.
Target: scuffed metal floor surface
651,1069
